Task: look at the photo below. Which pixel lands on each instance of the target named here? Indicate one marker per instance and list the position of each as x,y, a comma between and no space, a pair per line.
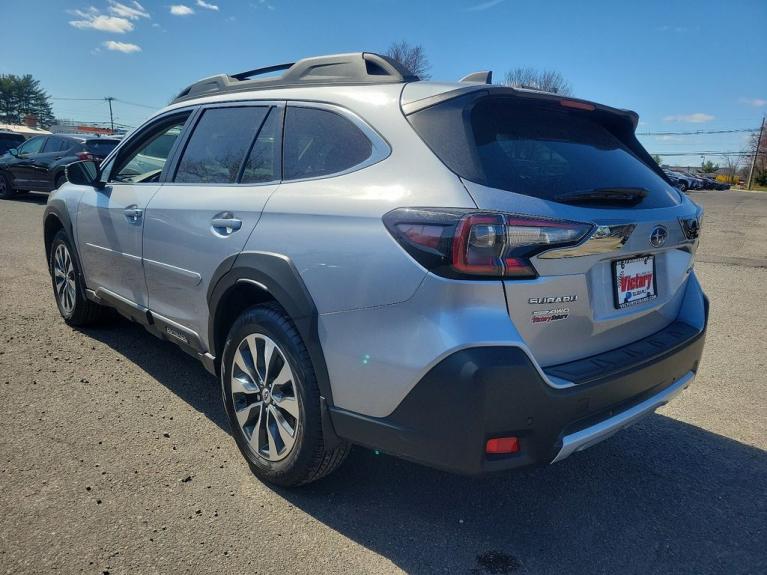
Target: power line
702,153
698,132
139,105
102,99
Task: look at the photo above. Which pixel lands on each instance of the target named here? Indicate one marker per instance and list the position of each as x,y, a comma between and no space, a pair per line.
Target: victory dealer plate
634,281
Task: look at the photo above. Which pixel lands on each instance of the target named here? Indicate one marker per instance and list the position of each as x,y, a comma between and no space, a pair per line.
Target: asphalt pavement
115,456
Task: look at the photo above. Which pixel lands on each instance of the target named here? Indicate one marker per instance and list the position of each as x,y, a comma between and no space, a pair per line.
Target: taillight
468,243
85,156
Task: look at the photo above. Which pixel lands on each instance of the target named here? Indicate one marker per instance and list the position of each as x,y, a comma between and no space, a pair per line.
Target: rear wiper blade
621,196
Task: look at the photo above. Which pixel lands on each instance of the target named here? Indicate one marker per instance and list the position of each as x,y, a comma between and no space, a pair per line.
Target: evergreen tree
22,96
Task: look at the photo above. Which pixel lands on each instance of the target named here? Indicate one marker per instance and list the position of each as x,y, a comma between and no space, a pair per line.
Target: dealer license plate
634,281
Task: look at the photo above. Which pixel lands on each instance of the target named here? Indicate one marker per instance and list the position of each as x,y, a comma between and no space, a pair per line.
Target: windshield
540,149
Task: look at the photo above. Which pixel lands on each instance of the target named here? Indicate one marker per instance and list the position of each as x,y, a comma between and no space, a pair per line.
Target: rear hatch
570,167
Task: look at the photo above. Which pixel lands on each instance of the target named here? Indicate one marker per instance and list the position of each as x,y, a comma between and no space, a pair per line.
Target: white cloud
262,4
203,4
124,47
134,11
697,118
94,20
484,6
755,102
181,10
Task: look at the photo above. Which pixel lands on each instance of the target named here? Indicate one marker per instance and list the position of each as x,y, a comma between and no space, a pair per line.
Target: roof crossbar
350,69
258,71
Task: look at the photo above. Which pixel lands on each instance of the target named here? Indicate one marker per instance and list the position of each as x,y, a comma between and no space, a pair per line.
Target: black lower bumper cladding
479,393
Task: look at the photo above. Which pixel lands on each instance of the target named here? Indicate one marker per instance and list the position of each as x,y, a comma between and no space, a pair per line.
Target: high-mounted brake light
466,243
85,156
577,105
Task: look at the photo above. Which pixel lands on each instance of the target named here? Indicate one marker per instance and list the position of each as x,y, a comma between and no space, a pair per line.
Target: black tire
6,190
307,460
82,312
683,186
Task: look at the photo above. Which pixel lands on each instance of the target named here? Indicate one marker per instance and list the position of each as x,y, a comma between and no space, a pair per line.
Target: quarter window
319,143
219,145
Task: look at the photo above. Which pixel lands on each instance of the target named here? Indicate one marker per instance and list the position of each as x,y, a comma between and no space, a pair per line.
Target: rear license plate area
634,281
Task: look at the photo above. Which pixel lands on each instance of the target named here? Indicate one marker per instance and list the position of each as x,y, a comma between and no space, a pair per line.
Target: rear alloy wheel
6,190
272,400
74,307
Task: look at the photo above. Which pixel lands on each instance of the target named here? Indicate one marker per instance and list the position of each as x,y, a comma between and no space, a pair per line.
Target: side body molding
277,275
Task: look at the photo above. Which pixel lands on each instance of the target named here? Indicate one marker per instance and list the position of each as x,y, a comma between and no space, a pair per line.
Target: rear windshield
100,147
539,149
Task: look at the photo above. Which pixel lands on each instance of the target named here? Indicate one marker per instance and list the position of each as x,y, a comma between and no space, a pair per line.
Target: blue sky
684,66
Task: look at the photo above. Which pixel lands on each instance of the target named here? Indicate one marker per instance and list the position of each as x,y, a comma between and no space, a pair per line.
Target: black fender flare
277,275
57,210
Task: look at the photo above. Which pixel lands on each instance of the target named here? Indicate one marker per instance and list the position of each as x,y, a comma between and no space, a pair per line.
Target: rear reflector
502,445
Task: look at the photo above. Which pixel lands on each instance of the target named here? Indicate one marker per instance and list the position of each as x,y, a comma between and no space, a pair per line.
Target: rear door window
219,144
320,142
263,163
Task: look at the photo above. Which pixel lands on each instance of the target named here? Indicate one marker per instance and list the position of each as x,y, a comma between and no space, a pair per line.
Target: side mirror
14,152
85,173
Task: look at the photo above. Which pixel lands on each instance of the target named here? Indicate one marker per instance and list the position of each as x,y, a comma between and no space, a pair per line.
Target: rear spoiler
486,90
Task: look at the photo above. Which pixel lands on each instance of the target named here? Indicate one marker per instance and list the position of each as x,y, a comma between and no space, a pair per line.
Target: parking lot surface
115,456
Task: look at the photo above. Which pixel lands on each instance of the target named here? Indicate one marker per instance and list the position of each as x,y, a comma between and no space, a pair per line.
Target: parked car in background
696,180
681,180
38,163
10,140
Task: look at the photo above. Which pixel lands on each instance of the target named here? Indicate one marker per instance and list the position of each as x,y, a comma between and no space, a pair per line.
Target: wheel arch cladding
250,278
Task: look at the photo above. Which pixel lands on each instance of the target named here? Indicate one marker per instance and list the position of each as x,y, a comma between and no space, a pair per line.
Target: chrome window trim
380,149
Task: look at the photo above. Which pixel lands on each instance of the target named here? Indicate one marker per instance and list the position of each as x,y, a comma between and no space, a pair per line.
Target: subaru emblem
658,236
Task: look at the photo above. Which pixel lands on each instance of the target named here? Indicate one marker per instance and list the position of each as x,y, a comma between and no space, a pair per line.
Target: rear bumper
479,393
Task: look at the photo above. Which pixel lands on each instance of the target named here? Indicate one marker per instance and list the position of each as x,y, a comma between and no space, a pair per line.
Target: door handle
133,214
225,224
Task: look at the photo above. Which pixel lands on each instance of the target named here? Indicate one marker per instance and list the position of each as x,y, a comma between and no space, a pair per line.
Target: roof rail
485,77
353,68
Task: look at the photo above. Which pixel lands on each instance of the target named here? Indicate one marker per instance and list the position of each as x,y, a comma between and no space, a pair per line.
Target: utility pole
750,182
111,118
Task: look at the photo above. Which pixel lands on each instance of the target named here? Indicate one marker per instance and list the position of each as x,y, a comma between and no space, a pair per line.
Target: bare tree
411,57
546,80
732,163
758,149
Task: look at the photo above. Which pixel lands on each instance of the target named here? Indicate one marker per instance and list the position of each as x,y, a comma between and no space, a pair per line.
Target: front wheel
6,190
74,307
272,400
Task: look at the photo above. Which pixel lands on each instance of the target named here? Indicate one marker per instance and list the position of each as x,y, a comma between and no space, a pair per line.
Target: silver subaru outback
468,276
